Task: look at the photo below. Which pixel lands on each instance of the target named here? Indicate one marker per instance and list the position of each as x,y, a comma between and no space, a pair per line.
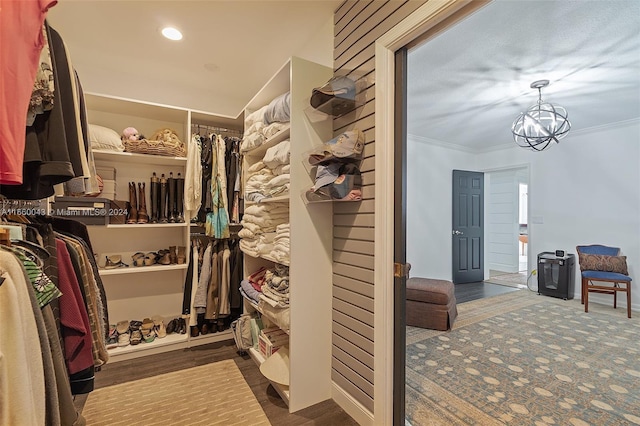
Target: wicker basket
163,142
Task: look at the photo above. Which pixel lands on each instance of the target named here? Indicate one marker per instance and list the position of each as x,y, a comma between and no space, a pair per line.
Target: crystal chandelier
540,124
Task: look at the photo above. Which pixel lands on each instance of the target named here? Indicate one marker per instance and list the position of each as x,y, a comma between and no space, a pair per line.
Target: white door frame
422,19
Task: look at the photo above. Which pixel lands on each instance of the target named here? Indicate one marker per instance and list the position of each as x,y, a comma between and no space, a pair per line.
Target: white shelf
170,339
132,157
141,269
272,141
147,225
282,390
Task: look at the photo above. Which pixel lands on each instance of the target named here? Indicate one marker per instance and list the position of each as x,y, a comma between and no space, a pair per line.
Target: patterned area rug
211,394
525,359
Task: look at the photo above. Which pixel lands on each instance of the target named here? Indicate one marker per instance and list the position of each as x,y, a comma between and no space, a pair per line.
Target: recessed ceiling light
172,33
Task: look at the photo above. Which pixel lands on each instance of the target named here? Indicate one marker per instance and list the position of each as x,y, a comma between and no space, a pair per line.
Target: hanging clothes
21,43
217,224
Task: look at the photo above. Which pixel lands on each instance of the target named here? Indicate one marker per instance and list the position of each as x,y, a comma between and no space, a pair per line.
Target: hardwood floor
324,413
478,290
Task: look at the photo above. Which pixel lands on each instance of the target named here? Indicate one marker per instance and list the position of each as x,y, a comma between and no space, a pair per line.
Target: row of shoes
134,332
177,325
167,200
204,326
174,256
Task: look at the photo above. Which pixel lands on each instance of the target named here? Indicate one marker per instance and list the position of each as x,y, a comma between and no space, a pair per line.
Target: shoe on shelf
182,255
138,259
183,325
148,330
171,327
114,261
158,326
150,258
173,255
136,337
112,339
122,328
195,331
164,257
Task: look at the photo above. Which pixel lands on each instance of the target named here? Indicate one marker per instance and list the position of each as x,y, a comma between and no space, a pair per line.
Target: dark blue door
468,227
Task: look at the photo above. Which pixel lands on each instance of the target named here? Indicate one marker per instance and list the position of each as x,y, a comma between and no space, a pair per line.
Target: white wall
585,190
429,186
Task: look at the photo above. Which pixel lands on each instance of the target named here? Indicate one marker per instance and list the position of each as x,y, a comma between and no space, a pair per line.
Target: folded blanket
249,291
278,109
273,129
251,141
281,169
278,155
255,116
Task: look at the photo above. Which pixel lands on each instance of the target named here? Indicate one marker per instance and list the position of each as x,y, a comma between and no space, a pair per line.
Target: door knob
456,232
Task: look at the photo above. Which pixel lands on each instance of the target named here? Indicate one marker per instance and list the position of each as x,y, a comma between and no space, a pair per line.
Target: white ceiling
468,84
229,51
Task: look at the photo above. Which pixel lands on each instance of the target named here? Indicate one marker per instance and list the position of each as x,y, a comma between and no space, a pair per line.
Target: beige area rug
212,394
524,359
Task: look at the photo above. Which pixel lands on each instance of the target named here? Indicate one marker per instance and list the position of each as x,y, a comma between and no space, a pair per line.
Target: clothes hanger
34,248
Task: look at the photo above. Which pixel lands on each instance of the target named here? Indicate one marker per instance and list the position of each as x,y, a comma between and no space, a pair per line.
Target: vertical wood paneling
357,26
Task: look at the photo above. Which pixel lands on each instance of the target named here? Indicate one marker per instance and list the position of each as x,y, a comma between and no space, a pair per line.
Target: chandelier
540,124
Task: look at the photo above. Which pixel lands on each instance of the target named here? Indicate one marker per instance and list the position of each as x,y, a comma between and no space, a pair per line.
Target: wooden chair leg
629,300
615,295
586,299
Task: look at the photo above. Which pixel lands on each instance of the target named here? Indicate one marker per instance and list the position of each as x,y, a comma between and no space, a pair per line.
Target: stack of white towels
259,226
265,122
281,244
270,177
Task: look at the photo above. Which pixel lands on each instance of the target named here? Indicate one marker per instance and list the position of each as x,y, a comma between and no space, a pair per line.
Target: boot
171,182
180,199
173,255
182,255
133,204
143,217
163,200
154,189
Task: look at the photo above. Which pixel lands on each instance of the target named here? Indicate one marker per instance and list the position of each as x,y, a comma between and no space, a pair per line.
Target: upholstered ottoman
431,303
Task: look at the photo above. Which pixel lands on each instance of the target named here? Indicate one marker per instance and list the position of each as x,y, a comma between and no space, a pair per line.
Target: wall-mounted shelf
141,269
132,157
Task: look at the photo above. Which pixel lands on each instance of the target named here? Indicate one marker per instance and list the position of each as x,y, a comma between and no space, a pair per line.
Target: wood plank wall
357,25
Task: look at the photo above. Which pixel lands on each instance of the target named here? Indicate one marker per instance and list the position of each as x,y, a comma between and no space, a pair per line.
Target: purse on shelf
163,142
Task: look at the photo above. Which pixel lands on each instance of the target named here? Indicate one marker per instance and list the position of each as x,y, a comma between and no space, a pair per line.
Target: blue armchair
603,271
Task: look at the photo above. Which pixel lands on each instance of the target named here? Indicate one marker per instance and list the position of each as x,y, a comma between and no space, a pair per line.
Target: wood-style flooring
478,290
325,413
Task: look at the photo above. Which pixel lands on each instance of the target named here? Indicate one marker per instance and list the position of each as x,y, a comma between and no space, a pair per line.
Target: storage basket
163,142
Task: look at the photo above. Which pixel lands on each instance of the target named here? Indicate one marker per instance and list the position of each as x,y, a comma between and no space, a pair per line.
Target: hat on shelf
345,186
326,174
347,146
336,87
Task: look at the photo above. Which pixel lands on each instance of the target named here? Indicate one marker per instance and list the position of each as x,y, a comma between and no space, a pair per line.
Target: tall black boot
163,200
171,182
179,199
154,188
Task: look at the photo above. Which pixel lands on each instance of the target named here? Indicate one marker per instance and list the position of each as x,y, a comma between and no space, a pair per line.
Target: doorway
507,226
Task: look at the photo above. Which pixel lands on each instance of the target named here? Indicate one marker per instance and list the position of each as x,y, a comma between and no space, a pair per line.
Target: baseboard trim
352,407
